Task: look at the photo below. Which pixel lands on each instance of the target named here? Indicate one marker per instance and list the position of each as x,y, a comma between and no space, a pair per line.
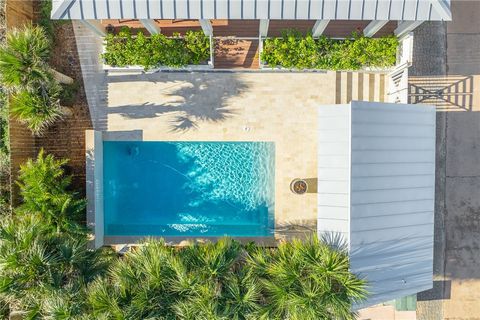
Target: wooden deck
236,54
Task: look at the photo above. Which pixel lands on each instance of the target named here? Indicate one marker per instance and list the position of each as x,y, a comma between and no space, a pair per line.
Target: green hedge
293,50
124,49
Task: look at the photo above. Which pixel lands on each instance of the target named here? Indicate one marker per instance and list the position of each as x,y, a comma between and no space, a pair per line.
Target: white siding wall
334,169
392,197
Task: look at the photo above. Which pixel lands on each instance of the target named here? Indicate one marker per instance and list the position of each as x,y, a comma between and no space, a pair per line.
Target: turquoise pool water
188,188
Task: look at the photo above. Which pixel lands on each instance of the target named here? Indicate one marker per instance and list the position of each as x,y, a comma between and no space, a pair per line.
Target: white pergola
409,13
376,189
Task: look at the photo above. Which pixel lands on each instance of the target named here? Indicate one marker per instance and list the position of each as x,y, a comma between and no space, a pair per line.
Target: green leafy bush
24,71
46,264
293,50
224,280
123,49
37,108
4,154
44,188
48,272
45,273
23,58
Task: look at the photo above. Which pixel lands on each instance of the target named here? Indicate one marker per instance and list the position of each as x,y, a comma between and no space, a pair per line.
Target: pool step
363,86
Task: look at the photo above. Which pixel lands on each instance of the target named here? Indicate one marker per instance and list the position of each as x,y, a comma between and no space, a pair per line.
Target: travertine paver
218,106
232,107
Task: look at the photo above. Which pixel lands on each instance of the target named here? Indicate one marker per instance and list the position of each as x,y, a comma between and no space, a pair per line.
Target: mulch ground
66,138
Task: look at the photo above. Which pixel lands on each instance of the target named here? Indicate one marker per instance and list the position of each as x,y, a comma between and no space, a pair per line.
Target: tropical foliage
23,58
124,49
224,280
37,108
293,50
45,262
48,272
45,273
44,188
4,154
24,71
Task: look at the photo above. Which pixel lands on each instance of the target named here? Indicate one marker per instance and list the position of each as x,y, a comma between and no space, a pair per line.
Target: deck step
363,86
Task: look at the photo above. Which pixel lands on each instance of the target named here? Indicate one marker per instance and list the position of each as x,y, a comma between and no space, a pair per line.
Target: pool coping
268,241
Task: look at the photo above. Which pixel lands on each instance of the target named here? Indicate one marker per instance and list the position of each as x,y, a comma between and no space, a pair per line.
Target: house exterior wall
392,197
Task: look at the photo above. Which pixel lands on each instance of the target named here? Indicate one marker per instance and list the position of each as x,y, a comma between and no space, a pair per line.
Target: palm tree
44,274
305,280
37,108
25,72
24,59
224,280
44,190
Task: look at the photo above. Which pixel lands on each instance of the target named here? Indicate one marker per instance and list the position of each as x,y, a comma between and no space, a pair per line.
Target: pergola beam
406,27
373,27
150,25
95,26
206,27
263,28
319,27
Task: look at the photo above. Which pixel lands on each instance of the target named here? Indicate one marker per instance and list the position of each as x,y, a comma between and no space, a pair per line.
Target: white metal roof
253,9
376,187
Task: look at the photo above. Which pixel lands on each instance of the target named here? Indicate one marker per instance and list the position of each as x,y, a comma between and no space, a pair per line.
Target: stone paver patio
219,106
232,107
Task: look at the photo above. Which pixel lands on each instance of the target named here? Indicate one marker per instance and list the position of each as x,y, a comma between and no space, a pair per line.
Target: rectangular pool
188,188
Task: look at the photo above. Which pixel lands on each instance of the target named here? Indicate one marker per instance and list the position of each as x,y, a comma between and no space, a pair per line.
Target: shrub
44,190
224,280
37,108
293,50
156,50
25,72
45,273
4,154
23,58
45,261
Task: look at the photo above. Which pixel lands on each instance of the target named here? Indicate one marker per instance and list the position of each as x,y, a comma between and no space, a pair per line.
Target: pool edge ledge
94,186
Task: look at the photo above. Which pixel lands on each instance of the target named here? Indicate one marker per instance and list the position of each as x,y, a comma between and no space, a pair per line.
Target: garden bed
298,52
127,52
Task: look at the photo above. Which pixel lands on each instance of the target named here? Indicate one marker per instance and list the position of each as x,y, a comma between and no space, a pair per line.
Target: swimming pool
188,188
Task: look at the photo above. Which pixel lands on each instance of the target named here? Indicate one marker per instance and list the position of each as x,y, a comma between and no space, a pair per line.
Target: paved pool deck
220,106
280,108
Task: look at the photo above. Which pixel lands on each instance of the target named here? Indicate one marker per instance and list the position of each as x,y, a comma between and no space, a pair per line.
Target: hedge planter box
126,52
296,52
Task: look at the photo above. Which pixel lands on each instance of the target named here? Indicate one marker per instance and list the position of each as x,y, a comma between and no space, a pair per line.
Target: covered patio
238,28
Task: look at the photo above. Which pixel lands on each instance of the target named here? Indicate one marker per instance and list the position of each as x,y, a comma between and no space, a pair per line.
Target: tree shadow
191,98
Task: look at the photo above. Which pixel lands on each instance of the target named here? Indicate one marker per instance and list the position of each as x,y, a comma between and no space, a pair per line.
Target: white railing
398,84
398,78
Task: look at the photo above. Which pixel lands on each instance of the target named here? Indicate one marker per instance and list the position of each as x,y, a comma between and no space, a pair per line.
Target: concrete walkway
447,68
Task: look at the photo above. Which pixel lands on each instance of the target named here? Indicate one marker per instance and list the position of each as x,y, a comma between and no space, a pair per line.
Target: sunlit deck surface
231,107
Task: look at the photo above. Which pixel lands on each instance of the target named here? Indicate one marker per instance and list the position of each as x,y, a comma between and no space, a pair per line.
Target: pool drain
298,186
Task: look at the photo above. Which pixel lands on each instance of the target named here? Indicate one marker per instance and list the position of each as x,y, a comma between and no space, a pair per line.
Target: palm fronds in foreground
224,280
